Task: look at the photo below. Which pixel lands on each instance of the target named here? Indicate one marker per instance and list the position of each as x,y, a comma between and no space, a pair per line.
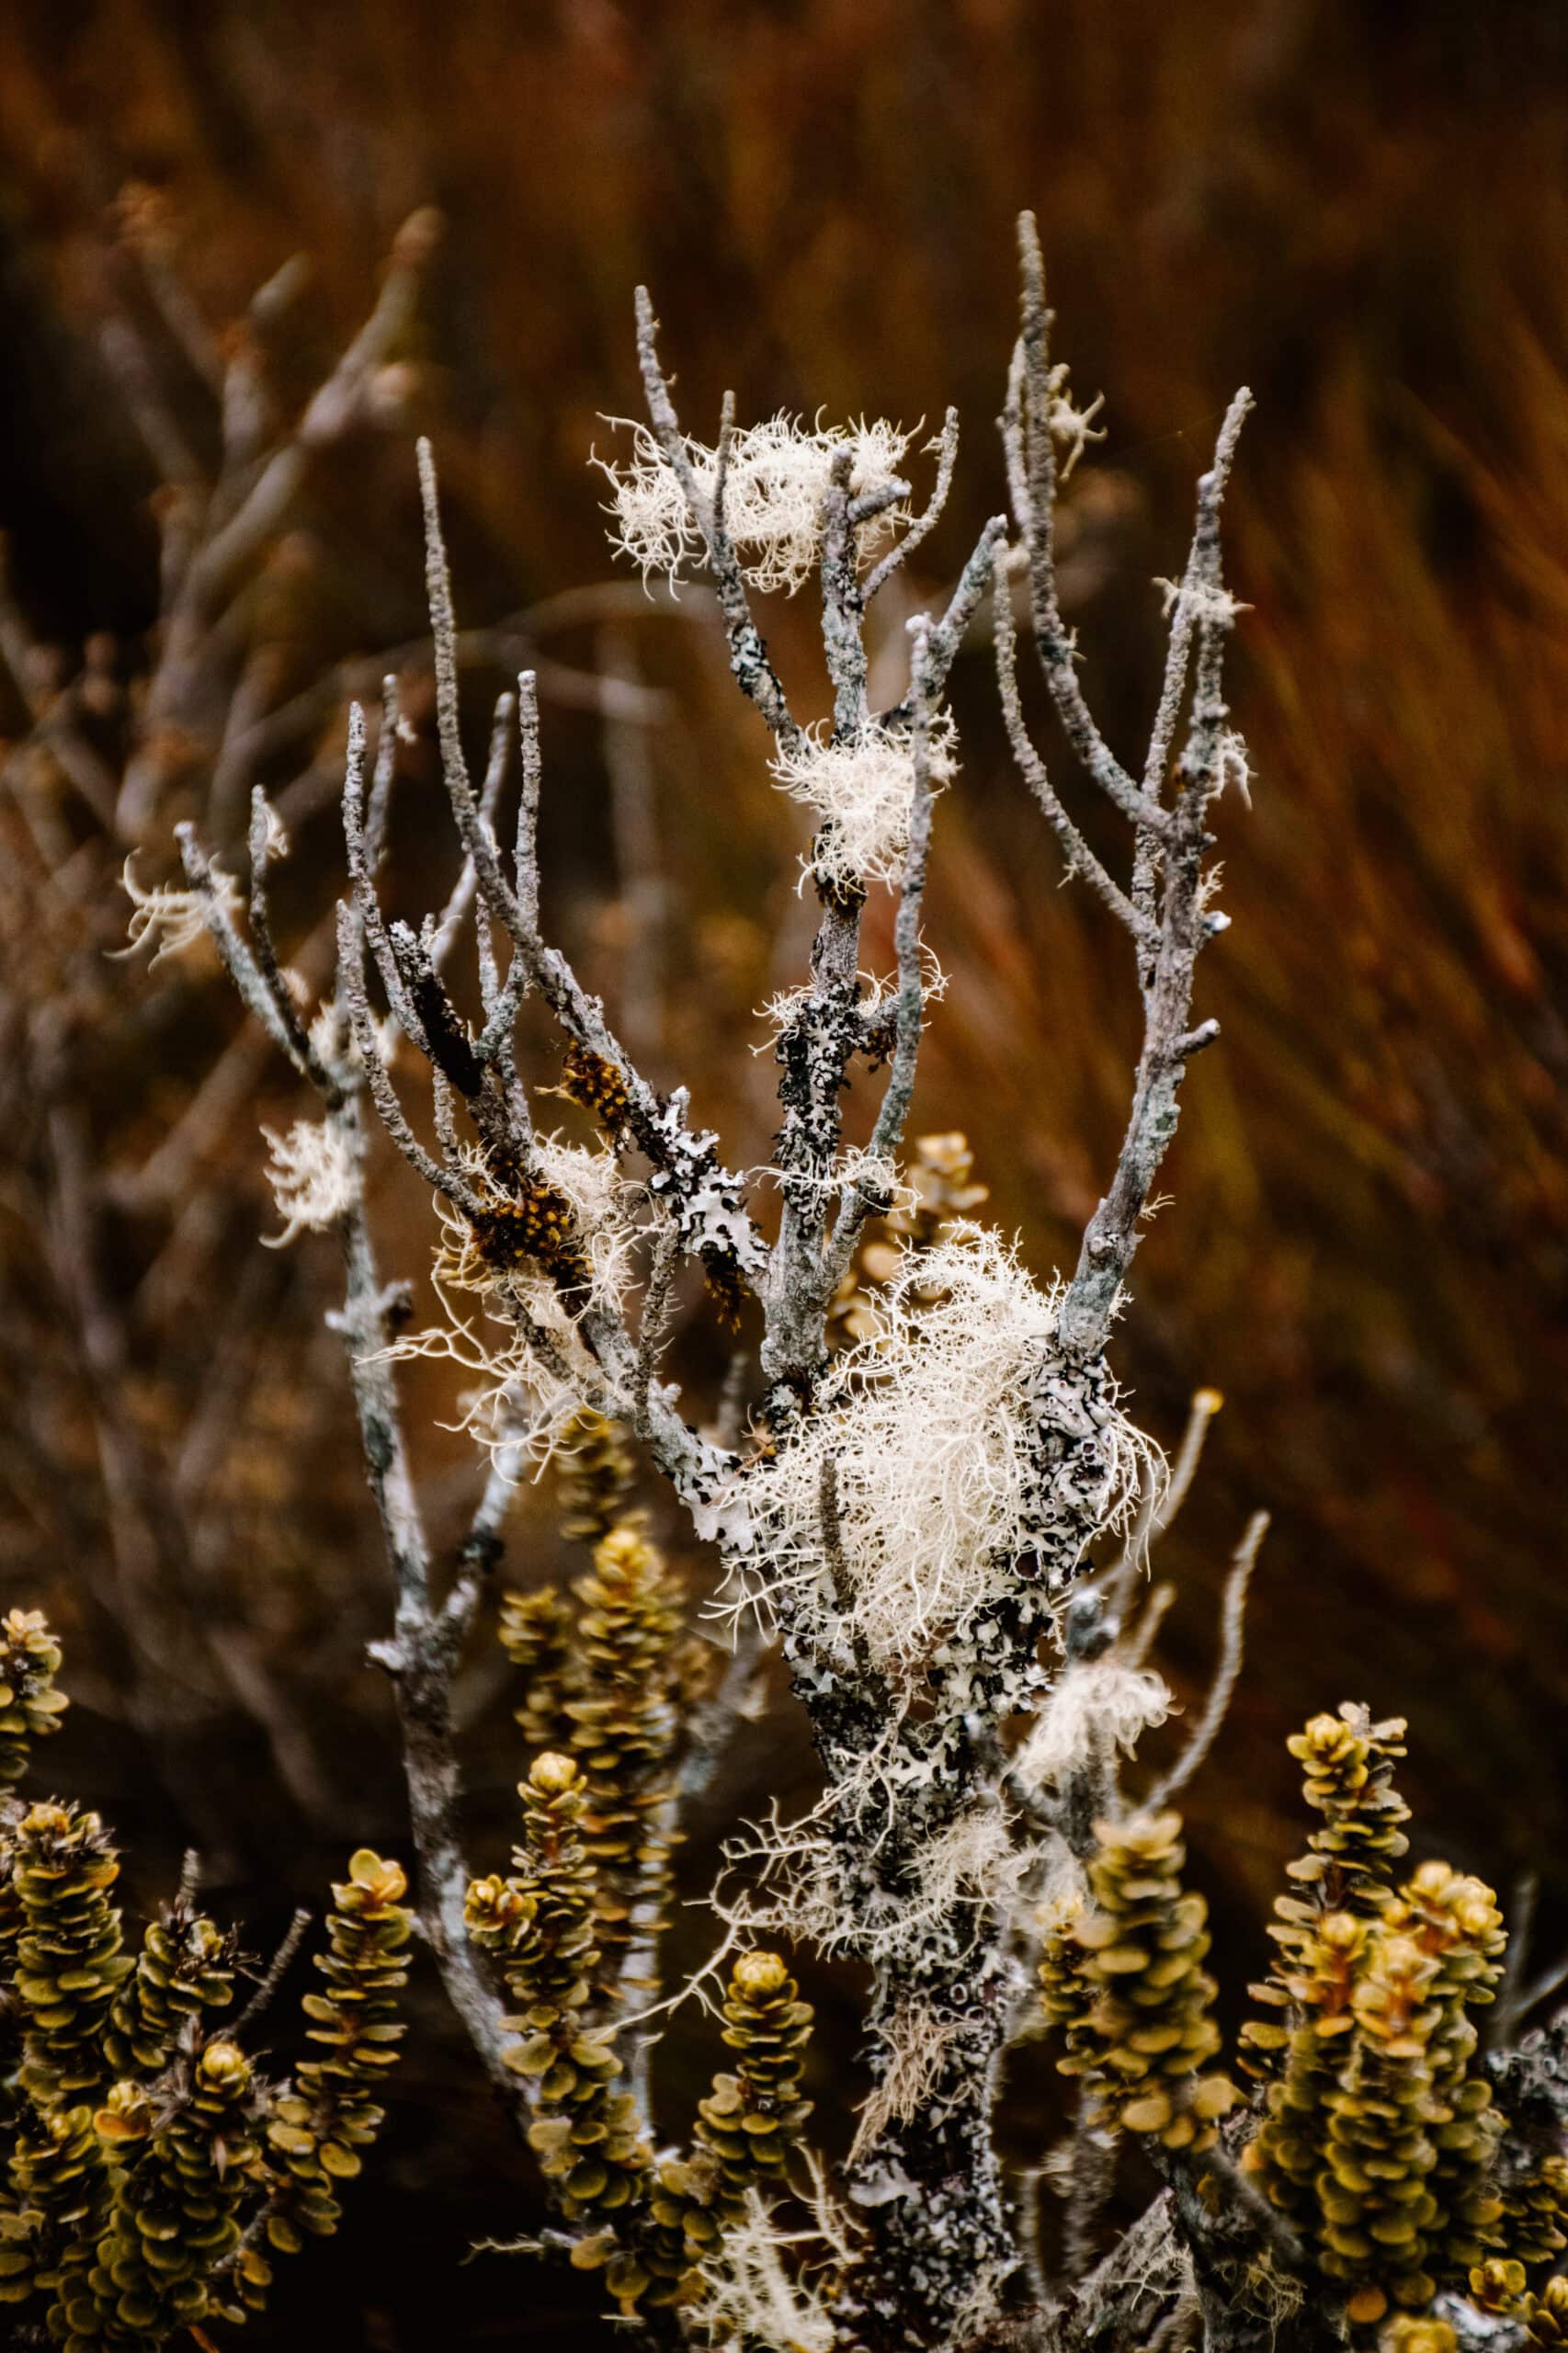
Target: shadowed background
1362,214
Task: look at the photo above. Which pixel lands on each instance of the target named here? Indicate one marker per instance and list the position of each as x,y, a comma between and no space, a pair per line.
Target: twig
1032,440
1232,1624
1080,858
1093,2179
754,671
926,523
1505,2014
1541,1990
276,1969
629,767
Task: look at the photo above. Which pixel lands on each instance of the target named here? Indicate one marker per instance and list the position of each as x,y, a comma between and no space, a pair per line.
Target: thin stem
1233,1635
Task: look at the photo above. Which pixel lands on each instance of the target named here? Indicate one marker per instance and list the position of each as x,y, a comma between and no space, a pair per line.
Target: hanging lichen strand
145,2163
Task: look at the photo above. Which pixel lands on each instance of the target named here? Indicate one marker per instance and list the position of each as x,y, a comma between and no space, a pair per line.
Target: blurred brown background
1363,212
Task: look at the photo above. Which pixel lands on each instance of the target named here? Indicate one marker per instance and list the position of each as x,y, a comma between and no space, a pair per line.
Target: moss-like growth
595,1480
624,1728
541,1926
747,2129
1497,2286
136,2178
1548,2317
316,2131
175,2218
1378,2213
1348,1776
1455,1920
1347,1765
59,2198
1410,2333
185,1970
30,1707
598,1086
529,1221
69,1962
725,1286
1067,1994
751,2121
1319,1980
1148,2030
1379,2139
1535,2208
535,1632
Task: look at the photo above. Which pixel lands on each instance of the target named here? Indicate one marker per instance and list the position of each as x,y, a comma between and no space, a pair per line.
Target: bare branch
748,654
1151,1618
447,1181
1507,2009
256,992
276,1968
655,1317
1034,472
262,852
1080,858
948,634
358,843
1111,1236
909,1009
926,523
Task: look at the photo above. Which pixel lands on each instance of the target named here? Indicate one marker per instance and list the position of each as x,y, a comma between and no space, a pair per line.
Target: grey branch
925,522
748,654
1029,431
1080,858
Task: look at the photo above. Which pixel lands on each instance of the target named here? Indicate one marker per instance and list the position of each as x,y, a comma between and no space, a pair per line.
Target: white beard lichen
171,918
967,1454
314,1177
522,1305
862,789
791,1876
757,2291
1099,1707
775,478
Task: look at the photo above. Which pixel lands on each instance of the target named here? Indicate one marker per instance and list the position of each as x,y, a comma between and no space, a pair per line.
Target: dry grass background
1363,213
